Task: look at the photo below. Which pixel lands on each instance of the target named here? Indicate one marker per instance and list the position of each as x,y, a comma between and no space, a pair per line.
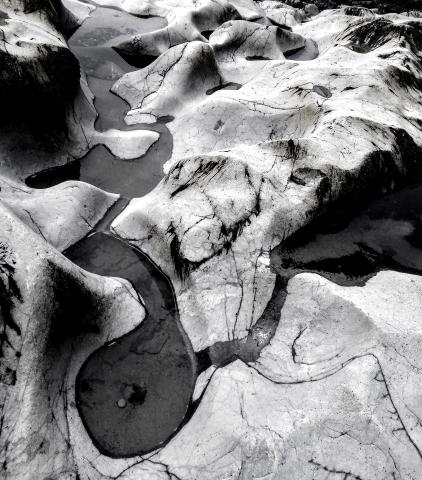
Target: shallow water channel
132,393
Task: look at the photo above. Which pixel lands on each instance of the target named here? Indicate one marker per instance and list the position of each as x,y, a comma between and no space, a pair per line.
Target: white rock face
63,214
175,8
126,145
251,166
152,88
340,324
249,427
243,39
28,47
271,127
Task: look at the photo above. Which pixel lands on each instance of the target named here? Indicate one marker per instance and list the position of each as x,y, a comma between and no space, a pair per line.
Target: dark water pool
350,246
133,393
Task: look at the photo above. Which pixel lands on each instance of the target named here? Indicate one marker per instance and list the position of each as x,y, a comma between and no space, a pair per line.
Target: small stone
121,403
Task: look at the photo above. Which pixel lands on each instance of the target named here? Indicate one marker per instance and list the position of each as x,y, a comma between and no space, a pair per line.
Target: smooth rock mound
189,69
240,39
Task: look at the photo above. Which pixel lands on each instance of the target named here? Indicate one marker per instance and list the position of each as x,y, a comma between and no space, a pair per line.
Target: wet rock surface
240,294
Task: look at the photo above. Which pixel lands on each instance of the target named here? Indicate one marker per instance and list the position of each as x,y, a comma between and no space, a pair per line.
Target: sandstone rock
173,8
380,319
187,21
191,68
349,247
380,6
358,11
233,191
42,103
49,112
126,145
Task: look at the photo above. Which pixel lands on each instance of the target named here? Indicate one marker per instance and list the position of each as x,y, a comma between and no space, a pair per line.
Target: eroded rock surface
251,166
231,316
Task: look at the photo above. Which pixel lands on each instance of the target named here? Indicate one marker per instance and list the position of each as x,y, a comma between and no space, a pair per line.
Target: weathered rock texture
277,117
251,166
